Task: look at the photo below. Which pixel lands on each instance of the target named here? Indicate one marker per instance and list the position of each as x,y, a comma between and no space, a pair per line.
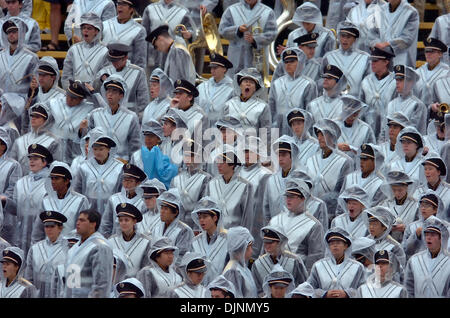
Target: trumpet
444,108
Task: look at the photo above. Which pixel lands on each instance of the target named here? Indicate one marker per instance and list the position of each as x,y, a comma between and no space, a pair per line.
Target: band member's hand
84,124
76,39
3,198
382,45
435,107
343,147
243,28
174,102
34,83
89,87
425,150
203,10
280,49
399,228
248,37
186,35
419,232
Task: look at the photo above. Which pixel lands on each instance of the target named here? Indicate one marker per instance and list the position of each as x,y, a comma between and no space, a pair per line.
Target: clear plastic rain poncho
159,105
252,73
308,123
428,156
354,192
132,281
307,12
277,273
30,291
171,196
425,287
152,126
187,258
160,244
379,159
122,264
348,251
205,204
165,83
398,145
220,282
297,184
395,177
395,269
382,214
301,58
408,103
117,78
351,106
294,152
283,238
154,183
47,126
304,289
238,239
12,107
441,212
253,144
364,246
330,130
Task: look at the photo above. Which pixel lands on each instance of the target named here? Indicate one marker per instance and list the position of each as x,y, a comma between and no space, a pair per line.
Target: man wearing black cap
105,9
368,174
192,180
434,171
399,29
170,225
161,88
113,115
130,288
173,13
136,246
214,92
132,177
41,121
212,238
184,99
406,102
378,88
16,62
128,31
99,175
151,189
178,63
231,190
381,283
427,272
329,104
88,270
63,198
119,55
28,194
32,40
276,253
173,138
13,285
44,256
69,113
84,59
290,90
302,230
45,87
399,189
434,69
337,275
353,62
410,157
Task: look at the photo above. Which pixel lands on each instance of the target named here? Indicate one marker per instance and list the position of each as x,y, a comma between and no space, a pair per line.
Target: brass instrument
284,21
258,58
207,37
444,108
